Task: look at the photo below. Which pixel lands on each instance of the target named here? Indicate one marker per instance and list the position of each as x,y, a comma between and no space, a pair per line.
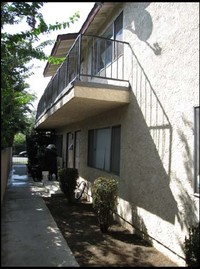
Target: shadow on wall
143,26
139,227
140,223
150,176
153,112
187,217
152,132
152,144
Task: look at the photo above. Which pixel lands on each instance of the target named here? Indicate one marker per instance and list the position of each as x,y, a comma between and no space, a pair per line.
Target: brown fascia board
97,6
59,38
69,36
91,16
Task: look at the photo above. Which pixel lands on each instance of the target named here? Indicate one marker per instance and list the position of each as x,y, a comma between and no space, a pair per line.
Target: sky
54,12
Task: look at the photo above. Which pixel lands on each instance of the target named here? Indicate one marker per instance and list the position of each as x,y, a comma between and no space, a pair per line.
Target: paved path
29,234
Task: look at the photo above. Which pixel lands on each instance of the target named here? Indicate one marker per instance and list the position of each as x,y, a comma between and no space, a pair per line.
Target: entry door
77,150
70,151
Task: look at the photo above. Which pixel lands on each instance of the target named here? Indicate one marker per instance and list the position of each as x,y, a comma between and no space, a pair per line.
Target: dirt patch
92,248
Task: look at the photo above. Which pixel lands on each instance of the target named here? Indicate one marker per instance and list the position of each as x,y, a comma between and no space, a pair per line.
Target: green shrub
19,143
67,180
192,247
104,195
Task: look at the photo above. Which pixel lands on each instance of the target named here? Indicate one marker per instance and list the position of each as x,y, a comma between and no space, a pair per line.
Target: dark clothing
50,161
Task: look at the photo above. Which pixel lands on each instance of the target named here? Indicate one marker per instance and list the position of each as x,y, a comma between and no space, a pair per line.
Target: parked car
23,154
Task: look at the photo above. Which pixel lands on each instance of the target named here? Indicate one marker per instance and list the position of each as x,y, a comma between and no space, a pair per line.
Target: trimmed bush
104,194
67,180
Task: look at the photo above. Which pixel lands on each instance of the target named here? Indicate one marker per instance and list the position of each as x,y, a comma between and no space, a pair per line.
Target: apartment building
125,103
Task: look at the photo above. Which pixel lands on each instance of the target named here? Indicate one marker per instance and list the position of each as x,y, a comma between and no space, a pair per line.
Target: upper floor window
106,49
104,149
118,27
196,150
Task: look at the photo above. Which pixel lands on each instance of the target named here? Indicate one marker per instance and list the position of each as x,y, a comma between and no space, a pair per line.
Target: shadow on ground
92,248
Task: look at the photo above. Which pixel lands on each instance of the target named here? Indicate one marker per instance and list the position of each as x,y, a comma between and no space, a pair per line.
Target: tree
17,51
19,143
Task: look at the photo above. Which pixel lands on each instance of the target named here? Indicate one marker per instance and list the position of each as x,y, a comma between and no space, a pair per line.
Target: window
196,150
70,150
104,149
77,149
106,50
115,149
118,31
118,27
106,47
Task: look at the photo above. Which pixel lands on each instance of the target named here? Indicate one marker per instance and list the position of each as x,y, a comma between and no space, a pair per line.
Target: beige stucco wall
165,38
157,141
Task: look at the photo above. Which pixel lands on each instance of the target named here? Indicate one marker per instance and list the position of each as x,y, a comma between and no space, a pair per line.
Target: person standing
50,161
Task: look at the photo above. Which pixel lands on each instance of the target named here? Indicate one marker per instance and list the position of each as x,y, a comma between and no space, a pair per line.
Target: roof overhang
96,17
62,45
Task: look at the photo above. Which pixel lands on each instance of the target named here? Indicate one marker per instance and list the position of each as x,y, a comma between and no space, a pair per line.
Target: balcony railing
90,59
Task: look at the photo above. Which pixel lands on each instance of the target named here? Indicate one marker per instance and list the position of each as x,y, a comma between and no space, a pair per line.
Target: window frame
116,49
91,160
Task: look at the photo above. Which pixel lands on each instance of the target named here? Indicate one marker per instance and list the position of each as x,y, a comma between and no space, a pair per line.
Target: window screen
104,149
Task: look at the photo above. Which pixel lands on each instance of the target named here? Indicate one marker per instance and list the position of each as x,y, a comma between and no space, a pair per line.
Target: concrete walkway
29,234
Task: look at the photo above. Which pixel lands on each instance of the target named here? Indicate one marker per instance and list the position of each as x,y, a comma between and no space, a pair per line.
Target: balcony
91,80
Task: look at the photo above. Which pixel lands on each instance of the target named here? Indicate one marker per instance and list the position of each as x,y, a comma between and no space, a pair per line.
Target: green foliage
192,247
19,139
104,195
30,119
17,52
68,179
56,60
14,110
19,143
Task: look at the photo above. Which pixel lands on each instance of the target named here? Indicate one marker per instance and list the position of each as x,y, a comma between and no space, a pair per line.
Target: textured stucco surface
172,80
157,141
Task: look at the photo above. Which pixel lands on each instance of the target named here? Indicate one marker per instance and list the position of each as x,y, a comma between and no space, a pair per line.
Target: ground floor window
196,150
104,149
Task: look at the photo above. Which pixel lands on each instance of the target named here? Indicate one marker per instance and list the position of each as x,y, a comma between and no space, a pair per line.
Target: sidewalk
29,234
